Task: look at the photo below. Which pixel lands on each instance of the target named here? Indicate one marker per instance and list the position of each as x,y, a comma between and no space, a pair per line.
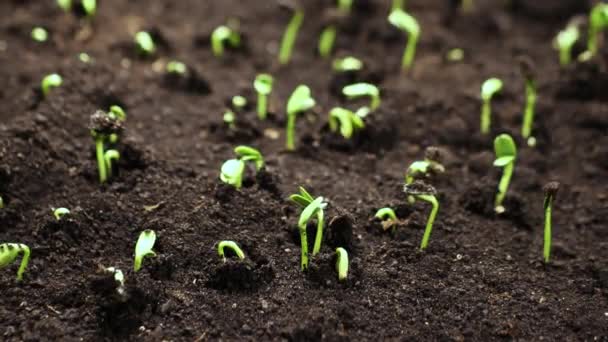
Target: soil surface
482,277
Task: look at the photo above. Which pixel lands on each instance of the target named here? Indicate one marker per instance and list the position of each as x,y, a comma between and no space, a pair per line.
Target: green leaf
301,201
504,146
143,248
232,172
490,87
300,100
404,21
310,211
263,84
502,161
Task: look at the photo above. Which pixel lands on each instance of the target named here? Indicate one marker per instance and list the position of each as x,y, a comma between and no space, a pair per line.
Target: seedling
527,69
314,208
84,57
224,35
229,118
598,21
455,55
490,87
263,86
49,82
388,217
10,251
304,199
348,63
89,7
406,22
116,112
291,33
232,246
59,213
425,193
299,102
346,120
143,248
357,90
506,153
328,36
550,193
119,278
110,156
145,43
39,34
103,127
424,168
176,68
239,102
65,5
564,41
233,169
342,263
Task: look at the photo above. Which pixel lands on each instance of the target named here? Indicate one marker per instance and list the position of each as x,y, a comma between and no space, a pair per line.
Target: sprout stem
101,163
503,186
230,245
326,41
526,129
547,238
304,243
319,237
429,224
291,127
289,37
342,263
24,261
262,106
486,112
410,52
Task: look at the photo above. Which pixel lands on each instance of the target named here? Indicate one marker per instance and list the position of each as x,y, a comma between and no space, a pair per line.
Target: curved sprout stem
429,223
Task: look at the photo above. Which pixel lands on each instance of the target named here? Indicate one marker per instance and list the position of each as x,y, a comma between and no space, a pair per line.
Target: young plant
233,169
357,90
224,35
229,118
232,246
550,193
490,87
110,156
527,70
506,153
117,113
388,217
346,120
348,63
144,43
103,126
10,251
39,34
314,208
299,102
176,68
598,21
304,199
49,82
263,86
455,55
425,193
406,22
59,213
291,32
119,277
328,36
65,5
342,263
564,41
143,248
239,102
424,168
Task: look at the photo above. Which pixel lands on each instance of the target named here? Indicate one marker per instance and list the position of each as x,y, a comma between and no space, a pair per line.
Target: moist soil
482,277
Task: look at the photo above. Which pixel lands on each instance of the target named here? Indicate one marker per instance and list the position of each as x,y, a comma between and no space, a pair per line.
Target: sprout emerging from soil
229,118
455,55
291,32
406,22
564,41
232,246
59,213
49,82
119,277
103,126
89,7
304,199
39,34
424,168
233,169
239,102
110,156
490,87
143,248
388,217
348,63
10,251
550,193
598,21
263,86
328,36
506,153
224,35
346,120
425,193
527,69
357,90
117,113
145,43
342,263
65,5
300,101
176,68
314,208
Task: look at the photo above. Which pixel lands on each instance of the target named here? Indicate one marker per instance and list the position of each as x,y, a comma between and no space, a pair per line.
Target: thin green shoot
232,246
1,203
229,119
246,153
527,68
290,35
506,153
176,68
346,120
49,82
407,23
145,44
224,35
425,193
598,21
398,5
348,63
39,34
300,101
233,169
10,251
143,248
564,41
110,157
59,213
89,7
357,90
387,216
488,89
104,128
304,199
342,263
328,36
550,189
314,208
263,86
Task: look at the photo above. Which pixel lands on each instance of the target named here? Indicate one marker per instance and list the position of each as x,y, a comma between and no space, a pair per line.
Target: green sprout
455,55
328,36
289,37
1,203
506,153
424,168
143,248
299,102
89,7
39,34
110,156
398,4
314,208
103,128
387,216
145,43
304,199
263,86
232,246
224,35
406,22
550,193
527,68
342,263
50,81
65,5
490,87
229,118
357,90
233,169
117,113
8,254
119,277
239,102
348,63
348,121
425,193
176,67
59,213
564,41
598,21
84,57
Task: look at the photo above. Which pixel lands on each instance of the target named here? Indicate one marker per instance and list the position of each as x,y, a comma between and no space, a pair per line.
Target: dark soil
482,277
